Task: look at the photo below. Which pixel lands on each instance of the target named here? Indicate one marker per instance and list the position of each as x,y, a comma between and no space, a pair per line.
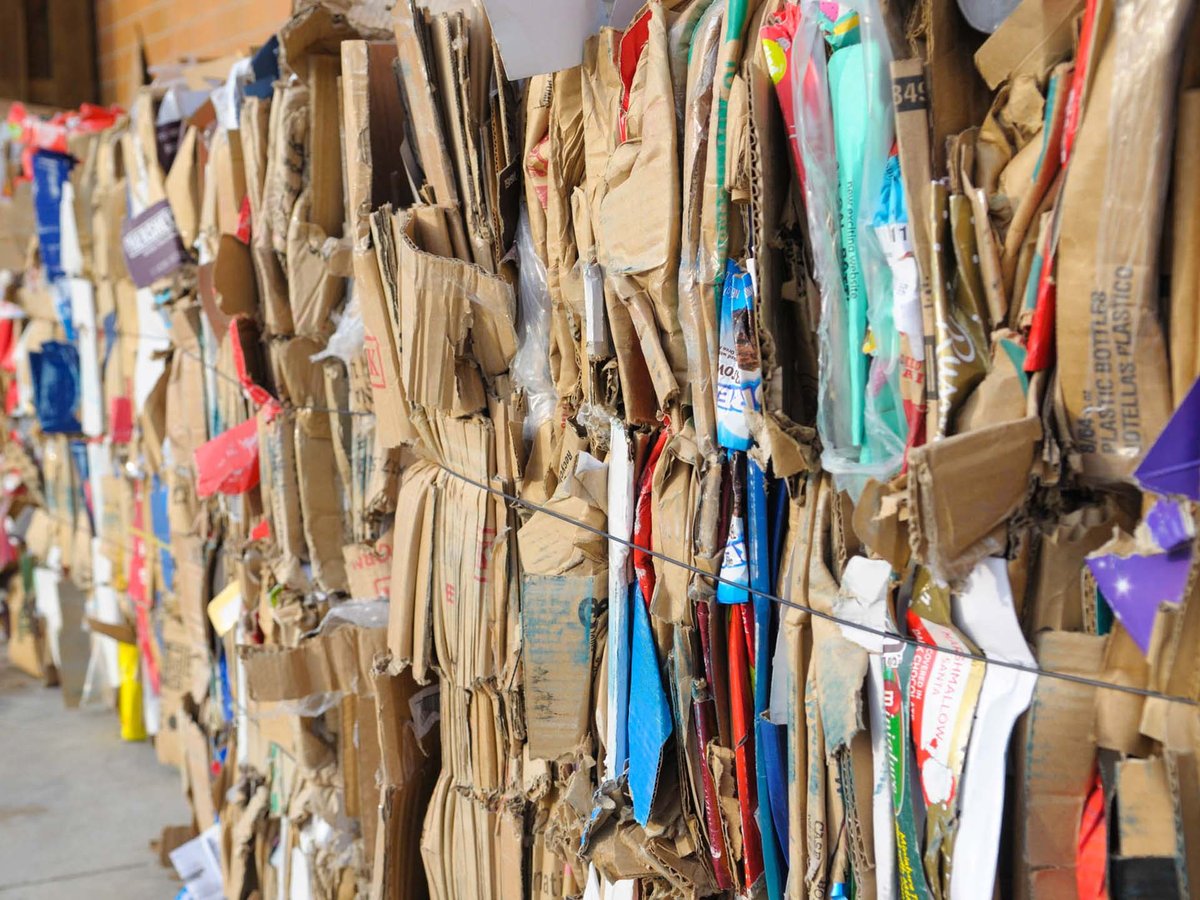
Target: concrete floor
78,807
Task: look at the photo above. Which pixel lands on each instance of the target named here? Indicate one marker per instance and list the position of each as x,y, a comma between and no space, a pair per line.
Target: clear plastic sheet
873,448
531,363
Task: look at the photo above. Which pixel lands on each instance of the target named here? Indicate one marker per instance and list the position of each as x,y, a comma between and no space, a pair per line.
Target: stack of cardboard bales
665,475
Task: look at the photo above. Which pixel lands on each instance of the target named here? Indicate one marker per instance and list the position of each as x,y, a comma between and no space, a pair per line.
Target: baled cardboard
1055,760
152,246
1034,37
408,764
1053,598
281,495
562,582
433,331
1146,843
956,518
641,258
316,269
234,278
373,128
1185,233
417,81
986,614
287,138
1112,361
369,568
380,350
182,186
338,660
321,505
228,172
407,593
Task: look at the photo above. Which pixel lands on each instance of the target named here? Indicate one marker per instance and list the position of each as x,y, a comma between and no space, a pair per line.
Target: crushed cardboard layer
628,481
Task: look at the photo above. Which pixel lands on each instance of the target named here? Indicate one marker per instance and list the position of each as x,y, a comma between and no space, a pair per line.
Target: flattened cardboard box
339,660
1112,356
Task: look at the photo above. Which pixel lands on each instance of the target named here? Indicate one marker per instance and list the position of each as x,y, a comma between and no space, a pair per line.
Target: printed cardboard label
152,246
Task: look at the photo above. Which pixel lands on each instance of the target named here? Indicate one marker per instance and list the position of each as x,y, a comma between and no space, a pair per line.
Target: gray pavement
78,806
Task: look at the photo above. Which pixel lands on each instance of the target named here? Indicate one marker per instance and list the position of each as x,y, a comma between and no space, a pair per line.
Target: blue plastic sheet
650,721
55,370
50,170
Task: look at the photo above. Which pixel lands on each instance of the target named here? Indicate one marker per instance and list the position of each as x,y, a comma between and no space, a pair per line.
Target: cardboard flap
440,299
373,122
340,661
556,619
1038,34
234,278
955,512
314,289
182,190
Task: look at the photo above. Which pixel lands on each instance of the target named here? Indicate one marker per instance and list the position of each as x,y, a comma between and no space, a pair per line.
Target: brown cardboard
1145,815
637,226
284,181
456,39
958,98
196,773
234,278
369,568
1185,237
1056,758
408,766
392,427
325,147
1054,599
407,593
913,142
281,493
182,188
316,267
563,580
440,300
261,170
1119,715
373,128
1035,36
1112,361
229,176
321,506
181,663
417,81
957,518
337,660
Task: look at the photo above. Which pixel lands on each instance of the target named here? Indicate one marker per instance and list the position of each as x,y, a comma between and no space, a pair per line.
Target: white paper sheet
540,36
984,612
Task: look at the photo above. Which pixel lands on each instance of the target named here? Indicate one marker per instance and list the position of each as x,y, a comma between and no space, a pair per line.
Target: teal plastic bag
845,130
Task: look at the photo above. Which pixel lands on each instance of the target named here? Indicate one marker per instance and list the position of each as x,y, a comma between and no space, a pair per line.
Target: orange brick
106,14
173,29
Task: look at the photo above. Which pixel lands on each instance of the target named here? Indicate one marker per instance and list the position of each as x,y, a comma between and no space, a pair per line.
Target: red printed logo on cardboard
374,362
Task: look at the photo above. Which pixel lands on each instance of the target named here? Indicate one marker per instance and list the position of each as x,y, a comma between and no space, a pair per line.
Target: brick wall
170,29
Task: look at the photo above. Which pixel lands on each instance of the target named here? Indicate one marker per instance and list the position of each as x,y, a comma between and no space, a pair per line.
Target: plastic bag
531,363
844,130
739,368
350,335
